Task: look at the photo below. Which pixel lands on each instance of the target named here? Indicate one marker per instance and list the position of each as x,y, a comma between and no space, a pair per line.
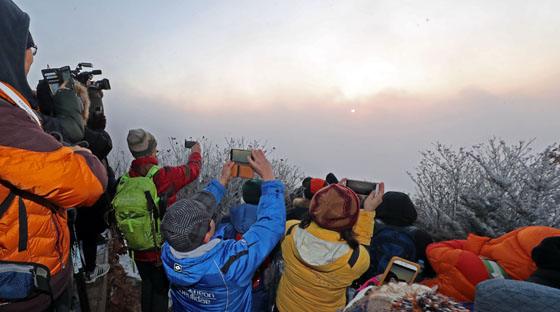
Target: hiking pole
78,264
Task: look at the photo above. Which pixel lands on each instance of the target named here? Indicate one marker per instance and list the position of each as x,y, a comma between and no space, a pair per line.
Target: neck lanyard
19,102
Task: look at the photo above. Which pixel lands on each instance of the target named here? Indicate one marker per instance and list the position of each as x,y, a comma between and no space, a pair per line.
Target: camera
241,168
189,144
85,76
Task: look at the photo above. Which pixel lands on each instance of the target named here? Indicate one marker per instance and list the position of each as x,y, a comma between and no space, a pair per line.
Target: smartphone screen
67,76
362,187
189,144
402,271
51,76
240,156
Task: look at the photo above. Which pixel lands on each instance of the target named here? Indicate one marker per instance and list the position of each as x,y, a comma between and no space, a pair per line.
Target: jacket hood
396,209
242,217
14,27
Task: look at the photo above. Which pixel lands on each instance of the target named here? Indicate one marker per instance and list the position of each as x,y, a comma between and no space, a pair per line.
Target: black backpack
388,241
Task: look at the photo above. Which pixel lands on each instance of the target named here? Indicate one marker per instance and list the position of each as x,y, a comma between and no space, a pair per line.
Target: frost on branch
488,189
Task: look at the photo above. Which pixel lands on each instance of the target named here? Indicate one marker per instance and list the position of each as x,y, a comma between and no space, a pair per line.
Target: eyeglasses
33,50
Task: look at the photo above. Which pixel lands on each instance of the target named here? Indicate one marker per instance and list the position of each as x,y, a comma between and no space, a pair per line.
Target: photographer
40,179
68,113
168,181
212,273
91,221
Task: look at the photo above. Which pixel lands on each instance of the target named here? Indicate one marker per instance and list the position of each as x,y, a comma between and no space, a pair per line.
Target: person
547,259
168,181
462,264
92,221
396,235
300,205
323,252
208,272
40,178
539,292
237,223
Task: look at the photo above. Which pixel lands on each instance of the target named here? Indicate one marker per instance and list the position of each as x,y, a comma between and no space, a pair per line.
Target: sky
357,88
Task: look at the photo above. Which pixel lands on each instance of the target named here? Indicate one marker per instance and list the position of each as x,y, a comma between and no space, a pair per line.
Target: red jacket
169,181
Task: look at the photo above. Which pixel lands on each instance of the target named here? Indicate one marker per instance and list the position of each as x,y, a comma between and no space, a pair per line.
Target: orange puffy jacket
460,268
38,179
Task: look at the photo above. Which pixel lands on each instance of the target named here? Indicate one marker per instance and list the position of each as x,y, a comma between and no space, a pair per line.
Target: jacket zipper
57,241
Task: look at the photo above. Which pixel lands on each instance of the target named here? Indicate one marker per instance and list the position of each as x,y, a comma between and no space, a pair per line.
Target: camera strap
19,102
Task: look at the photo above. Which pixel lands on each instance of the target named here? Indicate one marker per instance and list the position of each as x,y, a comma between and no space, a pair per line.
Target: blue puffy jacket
240,220
217,276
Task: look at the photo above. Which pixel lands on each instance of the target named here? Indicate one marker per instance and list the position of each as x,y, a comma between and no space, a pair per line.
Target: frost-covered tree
489,189
213,158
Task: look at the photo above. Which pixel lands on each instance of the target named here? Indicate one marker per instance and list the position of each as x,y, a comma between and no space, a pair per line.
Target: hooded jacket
319,266
38,177
397,210
169,181
217,276
460,268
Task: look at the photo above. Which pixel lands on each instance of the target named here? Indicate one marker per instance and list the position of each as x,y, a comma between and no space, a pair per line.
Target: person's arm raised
261,238
261,165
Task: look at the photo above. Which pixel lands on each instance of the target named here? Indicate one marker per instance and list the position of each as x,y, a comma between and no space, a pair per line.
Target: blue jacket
240,220
217,276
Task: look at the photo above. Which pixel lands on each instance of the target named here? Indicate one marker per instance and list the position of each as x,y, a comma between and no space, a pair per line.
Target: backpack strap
289,231
22,218
152,172
6,203
23,231
354,257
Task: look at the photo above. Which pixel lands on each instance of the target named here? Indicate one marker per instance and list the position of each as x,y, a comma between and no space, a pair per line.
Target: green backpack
137,212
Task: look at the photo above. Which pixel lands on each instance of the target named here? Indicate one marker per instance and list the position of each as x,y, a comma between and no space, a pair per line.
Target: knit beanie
141,143
547,254
187,221
396,209
312,185
252,191
335,207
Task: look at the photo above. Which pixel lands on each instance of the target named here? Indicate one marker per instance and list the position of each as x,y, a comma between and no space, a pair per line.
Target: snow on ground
126,263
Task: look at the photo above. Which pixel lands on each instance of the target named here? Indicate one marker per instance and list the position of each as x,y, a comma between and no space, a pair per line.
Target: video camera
55,77
85,76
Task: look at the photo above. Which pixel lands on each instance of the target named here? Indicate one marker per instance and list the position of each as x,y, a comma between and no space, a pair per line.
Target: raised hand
226,173
196,148
374,200
261,165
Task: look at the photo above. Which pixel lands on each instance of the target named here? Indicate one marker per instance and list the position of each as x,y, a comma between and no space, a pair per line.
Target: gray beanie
141,143
187,221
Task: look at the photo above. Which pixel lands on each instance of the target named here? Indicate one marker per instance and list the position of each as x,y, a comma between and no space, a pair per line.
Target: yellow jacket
319,266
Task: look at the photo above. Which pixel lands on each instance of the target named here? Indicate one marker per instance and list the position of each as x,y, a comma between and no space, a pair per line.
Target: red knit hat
335,207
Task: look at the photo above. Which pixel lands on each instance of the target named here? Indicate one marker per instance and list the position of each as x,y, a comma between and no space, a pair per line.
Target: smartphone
242,171
51,77
189,144
66,75
362,187
240,156
55,77
401,270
